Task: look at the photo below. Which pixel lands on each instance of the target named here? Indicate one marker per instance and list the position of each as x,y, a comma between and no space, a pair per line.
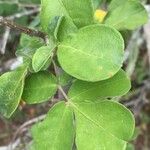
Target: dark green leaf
11,88
39,87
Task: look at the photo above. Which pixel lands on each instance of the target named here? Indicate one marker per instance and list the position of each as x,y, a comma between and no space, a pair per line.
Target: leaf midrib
87,117
45,61
43,87
91,89
21,78
81,51
60,128
125,18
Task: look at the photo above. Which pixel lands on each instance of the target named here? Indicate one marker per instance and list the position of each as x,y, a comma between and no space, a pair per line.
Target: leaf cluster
88,48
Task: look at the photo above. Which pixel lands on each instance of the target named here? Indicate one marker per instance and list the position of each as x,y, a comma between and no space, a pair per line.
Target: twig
7,30
28,123
28,5
132,52
61,90
147,33
63,93
5,39
138,99
28,31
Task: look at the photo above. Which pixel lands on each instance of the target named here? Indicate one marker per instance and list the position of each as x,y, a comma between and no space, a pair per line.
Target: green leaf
28,46
118,85
86,55
102,125
53,27
11,88
115,3
129,15
80,11
51,9
39,87
41,57
57,129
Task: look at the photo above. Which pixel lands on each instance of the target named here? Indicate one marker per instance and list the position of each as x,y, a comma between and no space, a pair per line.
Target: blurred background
15,132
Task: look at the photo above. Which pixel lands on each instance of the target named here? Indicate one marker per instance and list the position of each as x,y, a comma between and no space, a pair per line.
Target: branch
22,29
4,41
7,29
24,13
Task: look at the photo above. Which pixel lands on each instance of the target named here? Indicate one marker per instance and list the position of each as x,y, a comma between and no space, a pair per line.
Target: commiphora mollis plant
87,44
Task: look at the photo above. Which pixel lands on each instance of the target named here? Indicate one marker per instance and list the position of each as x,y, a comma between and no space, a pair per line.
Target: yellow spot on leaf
100,15
110,74
100,68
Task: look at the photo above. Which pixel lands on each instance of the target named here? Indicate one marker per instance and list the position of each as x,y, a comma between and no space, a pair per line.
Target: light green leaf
39,87
86,55
115,3
41,57
129,15
51,9
56,132
104,125
80,11
11,88
118,85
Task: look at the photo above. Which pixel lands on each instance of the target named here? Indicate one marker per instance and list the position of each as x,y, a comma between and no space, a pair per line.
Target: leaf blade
118,85
110,119
57,129
41,57
122,17
97,57
11,88
39,87
84,15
